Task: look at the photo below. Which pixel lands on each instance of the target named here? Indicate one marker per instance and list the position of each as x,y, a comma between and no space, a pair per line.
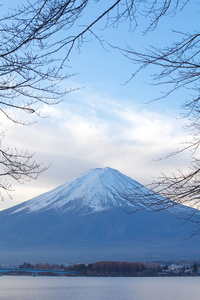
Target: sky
107,122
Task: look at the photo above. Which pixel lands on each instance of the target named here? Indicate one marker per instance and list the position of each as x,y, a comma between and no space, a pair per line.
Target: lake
99,288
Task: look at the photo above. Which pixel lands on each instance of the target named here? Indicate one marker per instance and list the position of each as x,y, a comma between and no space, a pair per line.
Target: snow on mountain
94,191
86,220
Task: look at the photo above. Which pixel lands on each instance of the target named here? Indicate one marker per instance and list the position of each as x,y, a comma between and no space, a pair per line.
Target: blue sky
107,122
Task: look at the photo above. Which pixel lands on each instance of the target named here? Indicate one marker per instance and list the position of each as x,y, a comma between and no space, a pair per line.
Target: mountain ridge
86,220
96,190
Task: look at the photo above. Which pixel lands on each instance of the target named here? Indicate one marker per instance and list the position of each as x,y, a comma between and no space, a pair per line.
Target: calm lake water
95,288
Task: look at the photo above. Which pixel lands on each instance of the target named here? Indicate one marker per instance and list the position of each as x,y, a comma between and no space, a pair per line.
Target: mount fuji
101,215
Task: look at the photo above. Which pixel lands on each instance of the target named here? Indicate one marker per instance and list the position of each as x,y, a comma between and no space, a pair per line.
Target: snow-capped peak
93,191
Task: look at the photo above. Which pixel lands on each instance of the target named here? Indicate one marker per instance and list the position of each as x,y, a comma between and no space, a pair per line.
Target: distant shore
106,269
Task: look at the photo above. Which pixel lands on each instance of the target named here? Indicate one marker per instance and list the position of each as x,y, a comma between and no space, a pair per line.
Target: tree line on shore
118,268
102,268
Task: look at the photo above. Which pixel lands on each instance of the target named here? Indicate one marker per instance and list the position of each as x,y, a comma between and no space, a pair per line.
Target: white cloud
90,131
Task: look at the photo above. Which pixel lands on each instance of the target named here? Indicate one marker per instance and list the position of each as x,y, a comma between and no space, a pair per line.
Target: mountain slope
94,191
86,220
